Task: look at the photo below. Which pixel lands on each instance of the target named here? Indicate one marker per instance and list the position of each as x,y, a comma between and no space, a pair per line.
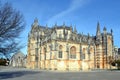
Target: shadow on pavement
6,75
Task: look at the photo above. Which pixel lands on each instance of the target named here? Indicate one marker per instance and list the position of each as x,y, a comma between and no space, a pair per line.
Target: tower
104,43
98,47
98,34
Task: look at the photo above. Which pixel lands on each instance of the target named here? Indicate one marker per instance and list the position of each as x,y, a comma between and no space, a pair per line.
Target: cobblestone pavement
9,73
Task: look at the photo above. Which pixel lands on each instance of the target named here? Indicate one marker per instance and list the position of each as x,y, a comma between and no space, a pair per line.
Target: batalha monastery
62,48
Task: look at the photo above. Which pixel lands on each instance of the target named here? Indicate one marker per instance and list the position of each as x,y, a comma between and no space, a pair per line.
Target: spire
82,34
35,22
104,30
46,26
98,30
111,32
88,35
75,31
71,27
56,24
64,30
63,24
55,27
98,34
88,38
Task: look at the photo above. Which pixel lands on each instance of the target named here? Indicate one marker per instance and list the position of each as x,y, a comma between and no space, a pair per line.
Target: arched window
44,52
91,50
60,51
83,53
73,52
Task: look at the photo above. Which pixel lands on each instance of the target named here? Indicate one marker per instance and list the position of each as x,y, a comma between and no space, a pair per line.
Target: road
9,73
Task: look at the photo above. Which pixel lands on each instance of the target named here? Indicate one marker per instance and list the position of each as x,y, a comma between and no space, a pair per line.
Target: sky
84,14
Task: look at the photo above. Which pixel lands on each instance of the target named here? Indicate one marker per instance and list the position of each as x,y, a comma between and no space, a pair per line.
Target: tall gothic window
44,52
73,52
83,53
36,53
60,52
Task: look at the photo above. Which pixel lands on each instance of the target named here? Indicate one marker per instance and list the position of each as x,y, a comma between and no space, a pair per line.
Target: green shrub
3,62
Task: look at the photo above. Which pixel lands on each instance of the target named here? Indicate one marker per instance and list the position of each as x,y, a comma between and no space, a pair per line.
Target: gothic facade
63,48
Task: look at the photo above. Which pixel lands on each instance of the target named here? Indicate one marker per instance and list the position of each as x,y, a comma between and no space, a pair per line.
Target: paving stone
9,73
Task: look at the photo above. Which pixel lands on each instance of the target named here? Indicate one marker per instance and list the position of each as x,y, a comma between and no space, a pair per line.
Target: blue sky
84,14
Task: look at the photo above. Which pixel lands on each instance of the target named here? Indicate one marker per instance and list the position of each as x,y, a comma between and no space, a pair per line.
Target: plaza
9,73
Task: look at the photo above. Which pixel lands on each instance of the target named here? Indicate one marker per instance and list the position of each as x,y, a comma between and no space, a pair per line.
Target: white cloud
75,4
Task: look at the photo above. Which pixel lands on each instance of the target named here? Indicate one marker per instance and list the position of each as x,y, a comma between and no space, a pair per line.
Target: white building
18,60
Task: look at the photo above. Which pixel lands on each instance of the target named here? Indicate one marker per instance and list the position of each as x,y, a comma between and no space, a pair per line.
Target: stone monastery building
62,48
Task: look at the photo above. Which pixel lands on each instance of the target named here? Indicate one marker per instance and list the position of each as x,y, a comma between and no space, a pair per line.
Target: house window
73,52
60,52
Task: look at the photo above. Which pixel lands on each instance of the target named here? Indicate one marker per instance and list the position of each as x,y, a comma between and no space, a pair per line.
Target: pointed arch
60,51
84,53
44,52
73,52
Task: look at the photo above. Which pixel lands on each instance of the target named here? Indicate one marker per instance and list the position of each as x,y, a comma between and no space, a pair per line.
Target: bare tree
11,25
